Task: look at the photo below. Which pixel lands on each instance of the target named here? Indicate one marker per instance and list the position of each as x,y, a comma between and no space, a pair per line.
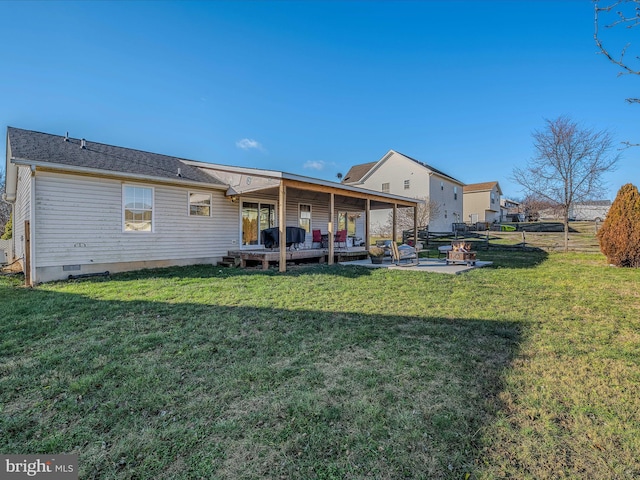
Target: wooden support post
415,227
394,222
367,224
330,227
282,227
27,253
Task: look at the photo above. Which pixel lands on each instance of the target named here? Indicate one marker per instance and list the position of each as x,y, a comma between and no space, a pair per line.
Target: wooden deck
265,257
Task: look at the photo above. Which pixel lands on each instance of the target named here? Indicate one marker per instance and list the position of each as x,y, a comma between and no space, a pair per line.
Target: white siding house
93,238
400,174
83,207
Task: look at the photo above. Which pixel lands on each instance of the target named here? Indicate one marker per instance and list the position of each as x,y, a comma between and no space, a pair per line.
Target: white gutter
11,177
124,175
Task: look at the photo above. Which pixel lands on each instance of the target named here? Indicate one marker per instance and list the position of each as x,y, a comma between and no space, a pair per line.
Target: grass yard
529,370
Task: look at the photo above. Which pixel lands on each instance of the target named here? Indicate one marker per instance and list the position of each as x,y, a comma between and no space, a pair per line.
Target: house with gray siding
590,210
83,207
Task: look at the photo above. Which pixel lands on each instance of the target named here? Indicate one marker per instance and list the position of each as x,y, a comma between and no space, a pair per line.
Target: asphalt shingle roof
479,187
356,172
47,148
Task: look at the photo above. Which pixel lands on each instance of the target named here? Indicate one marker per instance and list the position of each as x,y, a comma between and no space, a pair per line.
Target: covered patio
280,200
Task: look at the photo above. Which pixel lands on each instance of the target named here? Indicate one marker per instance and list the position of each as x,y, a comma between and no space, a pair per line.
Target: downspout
32,225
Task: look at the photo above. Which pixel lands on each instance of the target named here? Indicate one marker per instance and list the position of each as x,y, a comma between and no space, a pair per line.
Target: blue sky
315,87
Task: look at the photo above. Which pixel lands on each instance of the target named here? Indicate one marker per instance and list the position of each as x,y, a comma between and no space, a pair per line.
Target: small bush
619,236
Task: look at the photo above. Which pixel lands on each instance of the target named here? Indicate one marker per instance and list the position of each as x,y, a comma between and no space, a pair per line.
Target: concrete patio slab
426,265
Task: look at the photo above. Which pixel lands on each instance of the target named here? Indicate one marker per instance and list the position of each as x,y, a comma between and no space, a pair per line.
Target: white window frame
386,187
310,215
153,208
455,193
194,192
260,203
407,184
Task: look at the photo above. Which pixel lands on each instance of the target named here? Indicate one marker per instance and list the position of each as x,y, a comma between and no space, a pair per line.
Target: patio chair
317,238
404,253
341,237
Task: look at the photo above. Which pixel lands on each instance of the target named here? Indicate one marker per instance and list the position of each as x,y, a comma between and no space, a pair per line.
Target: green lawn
529,369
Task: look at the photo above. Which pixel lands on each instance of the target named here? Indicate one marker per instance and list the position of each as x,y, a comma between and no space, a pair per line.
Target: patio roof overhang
243,181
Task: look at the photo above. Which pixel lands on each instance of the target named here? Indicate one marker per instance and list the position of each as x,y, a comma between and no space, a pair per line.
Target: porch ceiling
343,197
244,181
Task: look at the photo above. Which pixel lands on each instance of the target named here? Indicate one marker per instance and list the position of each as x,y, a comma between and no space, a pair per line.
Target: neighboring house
82,207
511,211
482,202
590,210
399,174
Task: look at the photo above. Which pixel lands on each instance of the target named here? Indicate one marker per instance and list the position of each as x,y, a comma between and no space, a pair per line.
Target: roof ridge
433,169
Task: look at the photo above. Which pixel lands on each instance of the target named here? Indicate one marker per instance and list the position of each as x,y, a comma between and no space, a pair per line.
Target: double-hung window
137,204
305,217
385,188
199,204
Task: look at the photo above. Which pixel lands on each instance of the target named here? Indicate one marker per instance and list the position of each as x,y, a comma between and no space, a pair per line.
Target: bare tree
535,207
5,208
621,14
426,211
568,167
379,229
616,15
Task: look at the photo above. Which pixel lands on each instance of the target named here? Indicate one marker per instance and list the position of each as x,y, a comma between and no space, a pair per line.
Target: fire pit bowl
461,253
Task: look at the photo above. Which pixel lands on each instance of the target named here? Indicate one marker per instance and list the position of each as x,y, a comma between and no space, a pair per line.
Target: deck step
228,261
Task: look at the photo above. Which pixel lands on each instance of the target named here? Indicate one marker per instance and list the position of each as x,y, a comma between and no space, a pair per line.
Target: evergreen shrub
619,236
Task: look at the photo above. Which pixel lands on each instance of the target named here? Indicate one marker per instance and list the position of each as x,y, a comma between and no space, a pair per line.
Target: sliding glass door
256,216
